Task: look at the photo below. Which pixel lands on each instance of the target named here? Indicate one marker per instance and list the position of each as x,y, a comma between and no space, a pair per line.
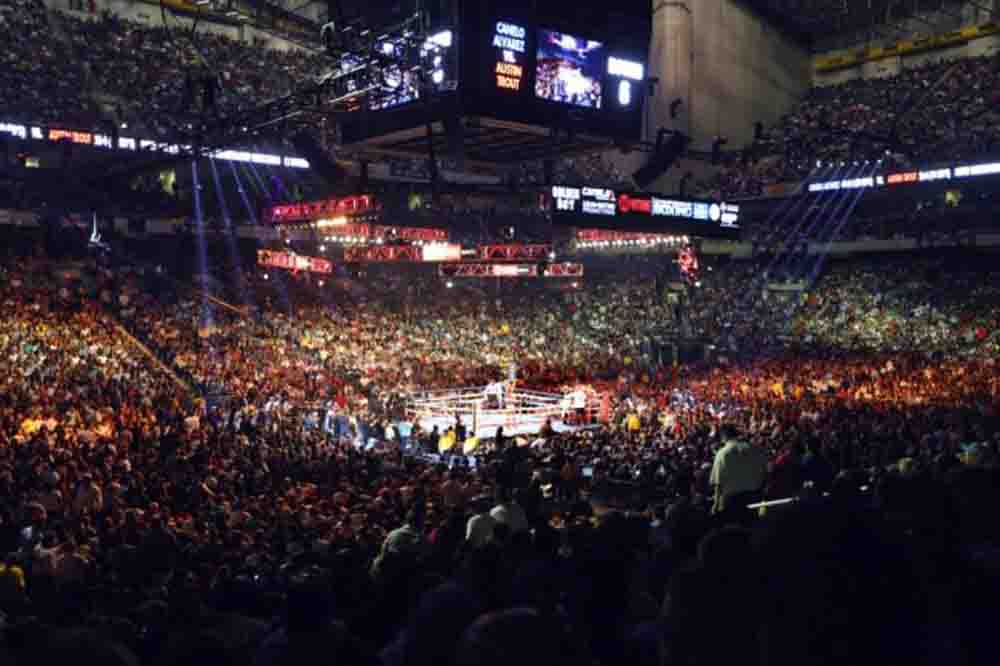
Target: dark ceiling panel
492,145
815,20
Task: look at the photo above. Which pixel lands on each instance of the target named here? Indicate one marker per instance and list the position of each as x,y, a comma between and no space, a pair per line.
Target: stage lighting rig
372,69
391,65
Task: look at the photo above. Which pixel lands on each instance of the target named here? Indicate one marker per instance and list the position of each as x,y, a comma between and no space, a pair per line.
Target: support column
671,60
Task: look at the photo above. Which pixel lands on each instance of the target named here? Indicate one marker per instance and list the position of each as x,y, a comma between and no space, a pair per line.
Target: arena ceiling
371,12
387,12
833,24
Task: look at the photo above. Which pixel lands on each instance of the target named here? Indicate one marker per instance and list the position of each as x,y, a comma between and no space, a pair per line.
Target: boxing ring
483,409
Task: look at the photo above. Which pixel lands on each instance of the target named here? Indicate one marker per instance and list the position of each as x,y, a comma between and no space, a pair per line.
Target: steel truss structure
369,77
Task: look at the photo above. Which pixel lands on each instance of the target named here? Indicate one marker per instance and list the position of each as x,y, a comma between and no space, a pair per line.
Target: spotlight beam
283,288
234,253
206,314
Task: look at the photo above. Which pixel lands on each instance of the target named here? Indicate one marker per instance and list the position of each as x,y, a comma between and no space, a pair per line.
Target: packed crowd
931,113
40,76
171,97
399,330
57,65
170,496
906,306
148,522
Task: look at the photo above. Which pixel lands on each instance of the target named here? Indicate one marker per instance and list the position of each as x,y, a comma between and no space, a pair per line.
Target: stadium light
444,39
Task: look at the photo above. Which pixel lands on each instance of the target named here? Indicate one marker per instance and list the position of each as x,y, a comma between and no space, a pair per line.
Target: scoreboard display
602,208
581,68
537,63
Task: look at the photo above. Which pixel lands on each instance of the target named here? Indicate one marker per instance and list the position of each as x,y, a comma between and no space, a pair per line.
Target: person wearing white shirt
738,473
509,513
494,394
479,530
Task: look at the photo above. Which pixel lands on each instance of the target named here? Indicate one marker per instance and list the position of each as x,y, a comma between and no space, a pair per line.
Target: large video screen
569,69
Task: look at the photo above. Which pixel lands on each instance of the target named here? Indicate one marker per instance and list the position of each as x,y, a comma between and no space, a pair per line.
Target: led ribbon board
957,172
293,262
333,211
84,138
626,210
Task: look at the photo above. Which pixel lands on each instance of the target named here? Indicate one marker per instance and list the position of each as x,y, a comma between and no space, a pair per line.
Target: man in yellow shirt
633,424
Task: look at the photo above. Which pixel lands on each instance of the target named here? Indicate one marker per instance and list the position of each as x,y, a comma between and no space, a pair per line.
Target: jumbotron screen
570,69
531,67
582,68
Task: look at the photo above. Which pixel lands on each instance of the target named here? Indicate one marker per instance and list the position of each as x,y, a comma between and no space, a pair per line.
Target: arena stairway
159,362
